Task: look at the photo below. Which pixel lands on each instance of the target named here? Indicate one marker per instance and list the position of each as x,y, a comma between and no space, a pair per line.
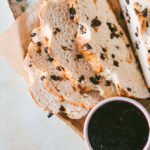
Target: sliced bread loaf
137,15
53,78
48,101
59,35
105,46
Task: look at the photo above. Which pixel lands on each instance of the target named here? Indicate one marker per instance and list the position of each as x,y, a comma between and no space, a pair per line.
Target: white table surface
24,126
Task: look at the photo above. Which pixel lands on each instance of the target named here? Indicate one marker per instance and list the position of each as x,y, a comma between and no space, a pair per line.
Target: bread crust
47,100
137,17
55,81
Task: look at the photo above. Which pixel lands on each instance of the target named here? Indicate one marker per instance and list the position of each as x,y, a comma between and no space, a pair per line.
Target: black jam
118,126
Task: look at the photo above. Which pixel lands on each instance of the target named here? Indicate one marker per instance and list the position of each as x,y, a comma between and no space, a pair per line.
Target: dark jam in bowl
118,125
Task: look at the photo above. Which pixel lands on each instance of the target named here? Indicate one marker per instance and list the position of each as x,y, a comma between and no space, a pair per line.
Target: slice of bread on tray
53,78
48,101
80,55
137,15
59,34
104,44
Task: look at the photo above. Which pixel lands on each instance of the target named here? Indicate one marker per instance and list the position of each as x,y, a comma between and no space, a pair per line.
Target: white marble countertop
24,126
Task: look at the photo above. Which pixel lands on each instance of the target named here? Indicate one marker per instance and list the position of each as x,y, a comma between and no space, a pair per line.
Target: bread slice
59,35
106,47
48,101
53,78
137,15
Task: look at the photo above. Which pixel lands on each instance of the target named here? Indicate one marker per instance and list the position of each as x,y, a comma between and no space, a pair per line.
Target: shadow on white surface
6,17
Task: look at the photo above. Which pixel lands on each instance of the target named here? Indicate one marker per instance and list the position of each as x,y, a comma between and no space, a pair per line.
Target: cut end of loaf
106,32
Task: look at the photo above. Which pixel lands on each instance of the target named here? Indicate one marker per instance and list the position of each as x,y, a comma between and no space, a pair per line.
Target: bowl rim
124,99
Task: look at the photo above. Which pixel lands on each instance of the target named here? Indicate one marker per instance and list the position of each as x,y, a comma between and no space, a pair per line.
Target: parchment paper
14,43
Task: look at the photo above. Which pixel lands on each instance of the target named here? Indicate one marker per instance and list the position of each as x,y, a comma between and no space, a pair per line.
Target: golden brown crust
149,60
40,62
44,99
141,18
79,88
122,92
89,55
81,103
35,99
